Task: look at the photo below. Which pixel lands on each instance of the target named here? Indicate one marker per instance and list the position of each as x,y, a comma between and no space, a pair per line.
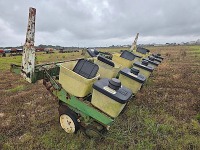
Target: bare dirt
24,111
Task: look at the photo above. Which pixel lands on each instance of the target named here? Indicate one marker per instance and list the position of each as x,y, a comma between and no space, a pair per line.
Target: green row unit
107,107
84,109
87,112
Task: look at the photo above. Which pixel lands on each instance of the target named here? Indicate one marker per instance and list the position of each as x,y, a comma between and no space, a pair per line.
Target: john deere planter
89,95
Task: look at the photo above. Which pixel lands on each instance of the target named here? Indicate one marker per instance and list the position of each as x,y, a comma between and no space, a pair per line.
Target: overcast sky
100,22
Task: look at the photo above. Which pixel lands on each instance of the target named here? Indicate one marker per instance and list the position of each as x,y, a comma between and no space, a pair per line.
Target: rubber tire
63,109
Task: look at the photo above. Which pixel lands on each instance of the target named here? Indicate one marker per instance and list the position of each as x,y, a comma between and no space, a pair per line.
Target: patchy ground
164,115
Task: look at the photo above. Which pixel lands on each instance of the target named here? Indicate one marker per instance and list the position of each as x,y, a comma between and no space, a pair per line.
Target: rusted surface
28,58
134,43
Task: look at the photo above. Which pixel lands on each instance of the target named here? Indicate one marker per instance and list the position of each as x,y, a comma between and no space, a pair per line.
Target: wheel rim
67,123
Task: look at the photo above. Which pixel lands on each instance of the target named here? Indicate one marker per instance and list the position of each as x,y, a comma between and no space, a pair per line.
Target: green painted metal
61,95
83,107
53,70
90,111
15,68
86,110
77,104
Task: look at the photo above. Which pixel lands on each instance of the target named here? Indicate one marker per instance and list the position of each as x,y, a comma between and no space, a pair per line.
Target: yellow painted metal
124,62
72,82
107,71
133,85
106,104
137,59
143,72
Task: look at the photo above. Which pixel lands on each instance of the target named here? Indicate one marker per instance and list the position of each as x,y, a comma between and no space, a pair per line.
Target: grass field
165,114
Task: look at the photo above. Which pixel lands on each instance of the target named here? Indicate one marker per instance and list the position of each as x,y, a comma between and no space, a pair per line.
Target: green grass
41,57
16,89
53,57
6,61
